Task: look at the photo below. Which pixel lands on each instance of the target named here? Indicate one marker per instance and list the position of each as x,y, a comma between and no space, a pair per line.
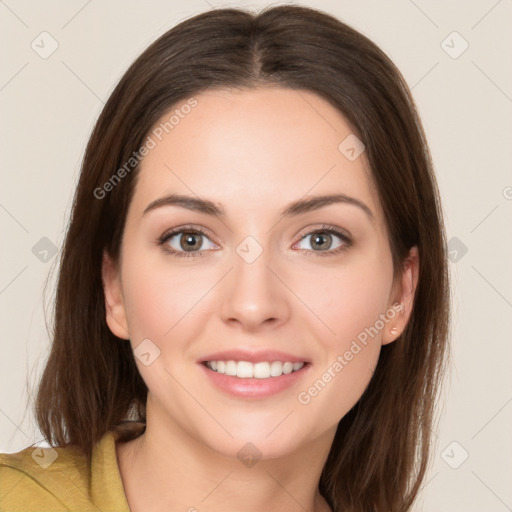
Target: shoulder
44,479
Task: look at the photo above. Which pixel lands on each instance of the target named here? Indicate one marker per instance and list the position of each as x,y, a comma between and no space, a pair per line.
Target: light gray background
48,108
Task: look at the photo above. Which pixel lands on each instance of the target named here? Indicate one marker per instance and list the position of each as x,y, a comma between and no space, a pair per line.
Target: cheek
150,307
163,304
334,389
157,293
351,302
347,300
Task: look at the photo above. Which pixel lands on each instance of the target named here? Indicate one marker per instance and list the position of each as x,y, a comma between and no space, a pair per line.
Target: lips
257,375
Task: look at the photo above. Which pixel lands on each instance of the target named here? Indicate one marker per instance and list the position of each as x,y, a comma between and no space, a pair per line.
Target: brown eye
325,241
190,241
186,242
321,241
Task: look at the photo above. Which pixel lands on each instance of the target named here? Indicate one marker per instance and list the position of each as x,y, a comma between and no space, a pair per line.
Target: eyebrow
299,207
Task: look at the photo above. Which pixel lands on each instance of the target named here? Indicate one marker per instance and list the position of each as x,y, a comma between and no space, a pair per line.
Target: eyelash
347,241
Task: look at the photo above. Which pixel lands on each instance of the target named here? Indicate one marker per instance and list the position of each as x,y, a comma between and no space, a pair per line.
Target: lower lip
254,388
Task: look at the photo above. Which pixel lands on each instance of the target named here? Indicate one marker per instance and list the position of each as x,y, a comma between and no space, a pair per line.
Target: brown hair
91,383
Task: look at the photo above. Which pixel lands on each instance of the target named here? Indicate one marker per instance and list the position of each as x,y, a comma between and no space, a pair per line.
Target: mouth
249,370
249,375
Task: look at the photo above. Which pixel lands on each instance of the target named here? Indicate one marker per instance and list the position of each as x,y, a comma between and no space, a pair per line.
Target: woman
252,306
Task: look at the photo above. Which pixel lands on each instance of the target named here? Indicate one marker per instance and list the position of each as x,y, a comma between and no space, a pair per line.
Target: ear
402,297
114,302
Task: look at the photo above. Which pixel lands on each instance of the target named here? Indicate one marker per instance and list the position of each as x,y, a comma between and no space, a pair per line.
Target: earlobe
114,303
404,296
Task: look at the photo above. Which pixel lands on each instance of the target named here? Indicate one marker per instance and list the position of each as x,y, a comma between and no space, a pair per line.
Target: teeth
244,370
247,370
287,368
261,370
276,368
231,368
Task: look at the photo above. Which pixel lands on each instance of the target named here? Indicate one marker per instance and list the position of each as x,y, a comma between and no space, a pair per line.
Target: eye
186,242
322,241
191,242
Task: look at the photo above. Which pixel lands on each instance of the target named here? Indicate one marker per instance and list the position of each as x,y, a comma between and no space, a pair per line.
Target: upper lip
253,356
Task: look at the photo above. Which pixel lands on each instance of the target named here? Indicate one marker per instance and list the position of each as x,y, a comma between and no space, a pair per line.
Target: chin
251,449
257,440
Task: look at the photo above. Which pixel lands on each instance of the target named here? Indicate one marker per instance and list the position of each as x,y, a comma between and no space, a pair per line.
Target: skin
252,152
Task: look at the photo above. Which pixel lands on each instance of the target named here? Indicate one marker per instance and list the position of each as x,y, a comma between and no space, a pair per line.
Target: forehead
251,148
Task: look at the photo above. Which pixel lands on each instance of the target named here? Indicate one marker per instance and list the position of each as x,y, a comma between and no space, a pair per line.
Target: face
254,277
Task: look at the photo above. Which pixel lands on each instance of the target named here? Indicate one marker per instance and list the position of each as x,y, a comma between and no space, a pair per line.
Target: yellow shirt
58,479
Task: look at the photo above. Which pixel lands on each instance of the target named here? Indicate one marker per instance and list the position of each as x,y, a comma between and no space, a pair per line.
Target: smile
248,370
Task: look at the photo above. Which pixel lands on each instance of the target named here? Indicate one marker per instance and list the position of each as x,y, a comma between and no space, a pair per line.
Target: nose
254,296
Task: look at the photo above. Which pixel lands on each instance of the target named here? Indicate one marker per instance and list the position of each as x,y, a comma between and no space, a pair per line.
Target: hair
91,384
